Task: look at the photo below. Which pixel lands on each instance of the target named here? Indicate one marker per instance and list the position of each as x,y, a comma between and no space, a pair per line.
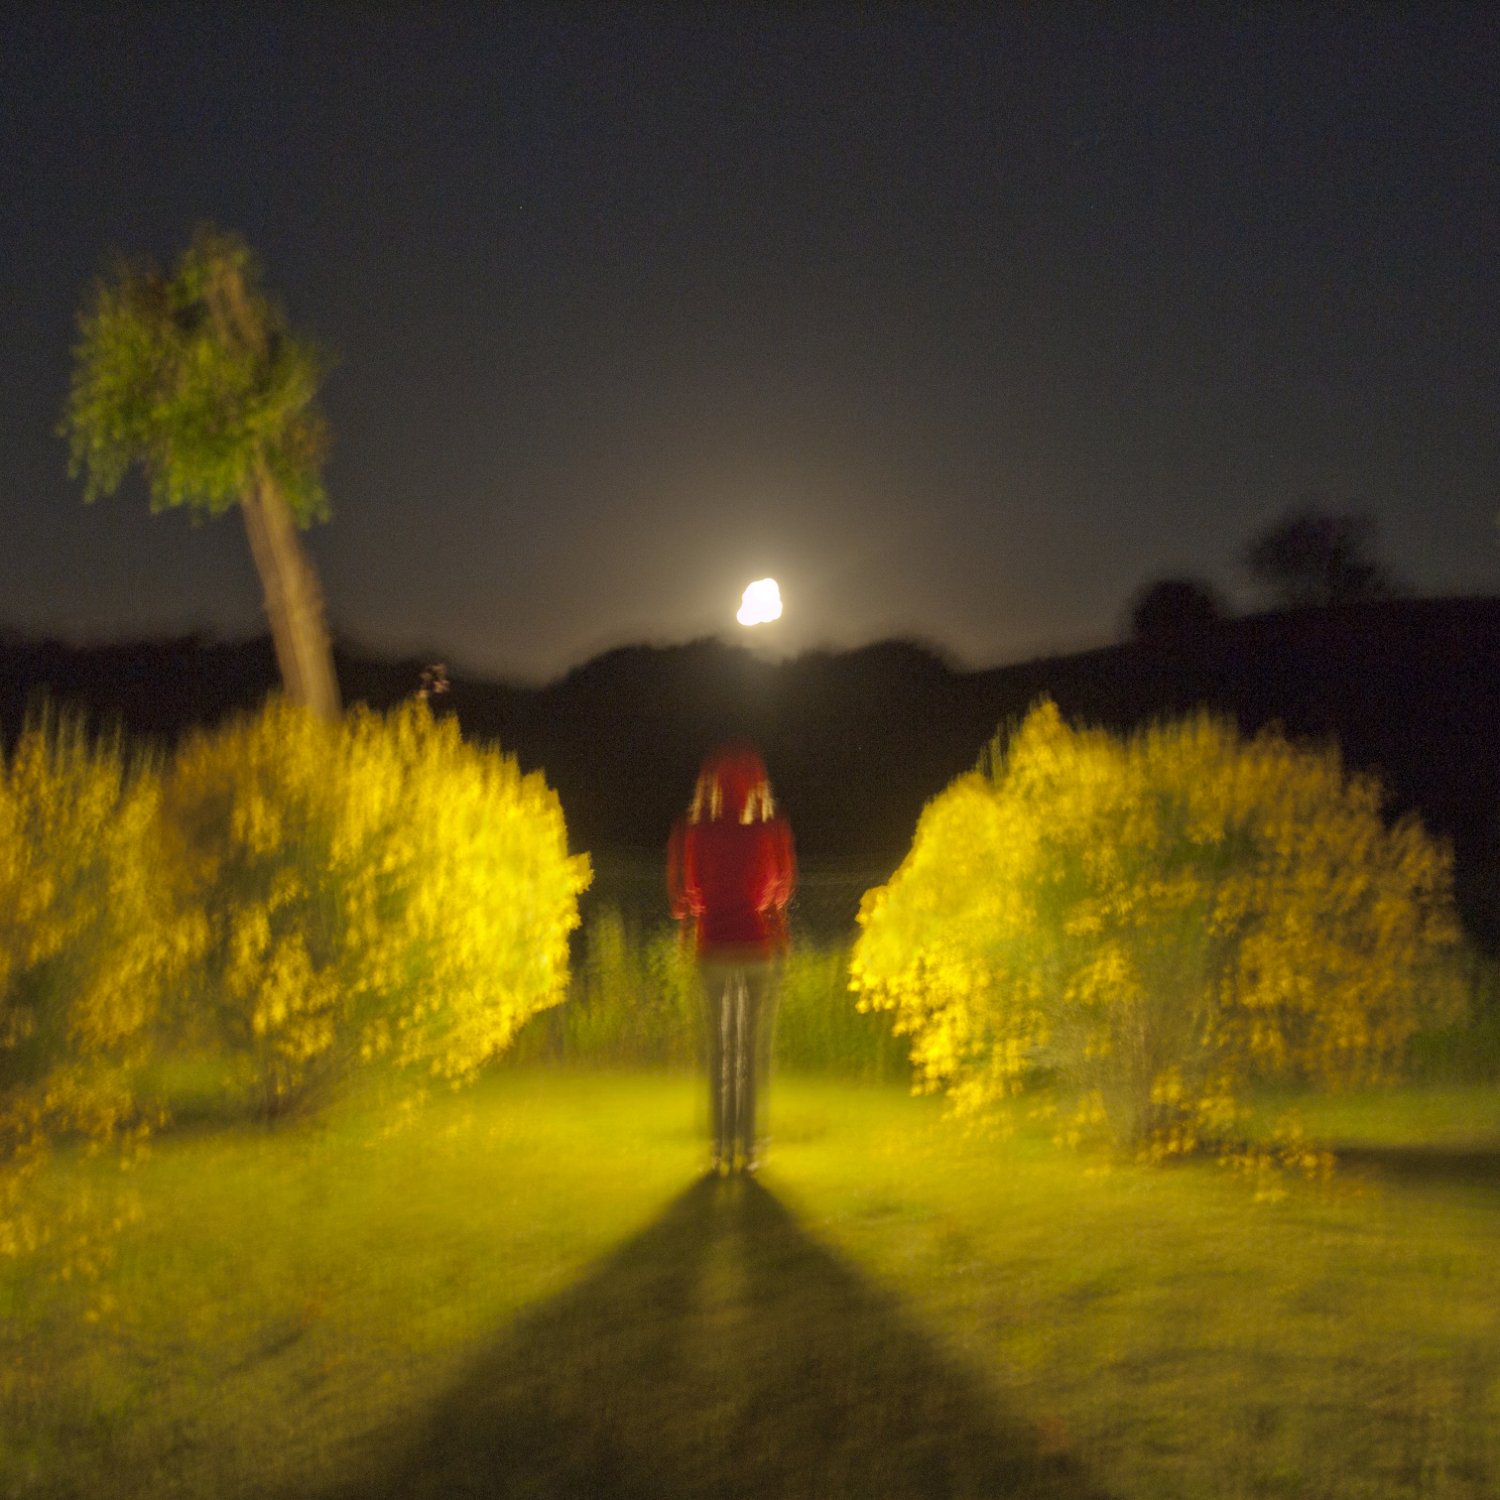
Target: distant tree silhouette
197,379
1314,557
1175,610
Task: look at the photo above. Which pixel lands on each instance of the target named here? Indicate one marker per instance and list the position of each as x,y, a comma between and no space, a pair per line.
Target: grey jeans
739,996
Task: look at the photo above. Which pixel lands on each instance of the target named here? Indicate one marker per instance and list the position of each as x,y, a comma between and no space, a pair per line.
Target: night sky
964,323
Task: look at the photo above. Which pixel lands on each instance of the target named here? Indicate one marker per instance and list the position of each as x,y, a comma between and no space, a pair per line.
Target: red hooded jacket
730,861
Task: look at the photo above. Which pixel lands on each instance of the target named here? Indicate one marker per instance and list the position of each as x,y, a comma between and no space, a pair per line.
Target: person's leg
739,1071
718,1013
760,992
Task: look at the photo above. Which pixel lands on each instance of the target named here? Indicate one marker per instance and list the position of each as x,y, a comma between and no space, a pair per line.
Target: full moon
761,604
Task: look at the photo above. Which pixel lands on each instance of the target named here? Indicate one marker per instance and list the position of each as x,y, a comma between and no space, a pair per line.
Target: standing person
730,871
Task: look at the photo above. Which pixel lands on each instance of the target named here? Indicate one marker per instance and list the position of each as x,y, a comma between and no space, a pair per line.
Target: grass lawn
528,1290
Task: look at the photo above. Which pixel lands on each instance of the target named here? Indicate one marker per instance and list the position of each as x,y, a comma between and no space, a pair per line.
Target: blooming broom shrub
1154,924
86,945
370,889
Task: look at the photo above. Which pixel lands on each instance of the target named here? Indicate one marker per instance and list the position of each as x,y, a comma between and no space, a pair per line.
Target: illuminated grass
522,1292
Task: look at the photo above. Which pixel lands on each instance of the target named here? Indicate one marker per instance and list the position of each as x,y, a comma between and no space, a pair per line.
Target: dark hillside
858,741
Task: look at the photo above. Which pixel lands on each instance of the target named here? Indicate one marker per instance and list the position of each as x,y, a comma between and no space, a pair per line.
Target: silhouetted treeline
857,741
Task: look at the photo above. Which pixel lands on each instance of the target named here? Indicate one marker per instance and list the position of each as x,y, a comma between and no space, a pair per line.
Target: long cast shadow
722,1352
1477,1166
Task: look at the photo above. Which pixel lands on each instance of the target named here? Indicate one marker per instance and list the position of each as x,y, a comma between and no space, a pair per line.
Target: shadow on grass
721,1352
1477,1166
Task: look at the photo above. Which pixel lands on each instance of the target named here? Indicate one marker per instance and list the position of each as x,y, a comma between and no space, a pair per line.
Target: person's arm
784,856
779,878
678,895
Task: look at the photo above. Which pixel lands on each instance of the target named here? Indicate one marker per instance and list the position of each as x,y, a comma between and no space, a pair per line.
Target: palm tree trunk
294,602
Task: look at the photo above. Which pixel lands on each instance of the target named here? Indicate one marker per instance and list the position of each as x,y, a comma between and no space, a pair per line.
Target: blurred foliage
1312,557
196,377
1175,611
86,945
1467,1050
373,889
635,1000
821,1030
283,901
1154,924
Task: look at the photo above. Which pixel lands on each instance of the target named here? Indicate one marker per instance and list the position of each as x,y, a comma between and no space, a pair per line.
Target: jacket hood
733,785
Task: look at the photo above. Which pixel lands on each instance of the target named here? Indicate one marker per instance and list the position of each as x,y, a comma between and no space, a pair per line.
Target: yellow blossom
1157,921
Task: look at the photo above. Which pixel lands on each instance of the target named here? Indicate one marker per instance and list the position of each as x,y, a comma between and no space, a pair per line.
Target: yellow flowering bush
85,944
373,888
1153,923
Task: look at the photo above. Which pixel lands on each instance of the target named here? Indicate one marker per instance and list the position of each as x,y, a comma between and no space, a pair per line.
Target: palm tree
196,378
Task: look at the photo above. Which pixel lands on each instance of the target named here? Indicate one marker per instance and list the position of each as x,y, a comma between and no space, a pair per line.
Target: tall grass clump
635,1001
634,998
819,1029
1466,1050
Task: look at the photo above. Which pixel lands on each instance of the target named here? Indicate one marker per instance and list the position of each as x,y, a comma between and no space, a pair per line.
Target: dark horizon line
16,637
